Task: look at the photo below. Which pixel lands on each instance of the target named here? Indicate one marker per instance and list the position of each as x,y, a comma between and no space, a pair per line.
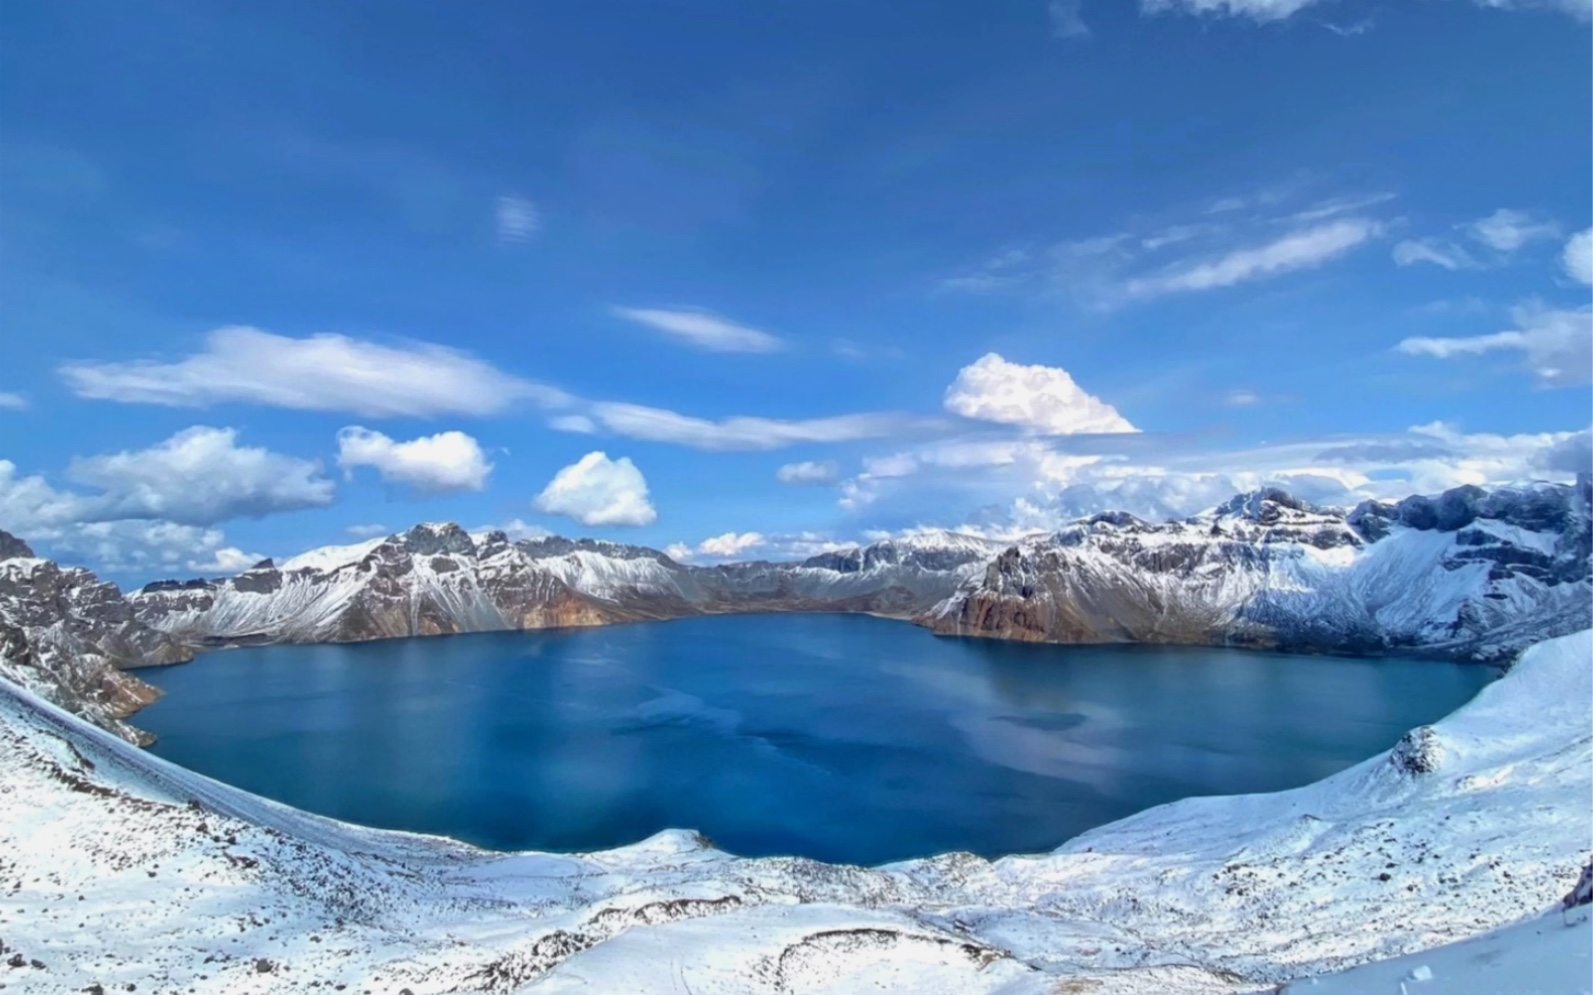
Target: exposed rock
68,636
1469,574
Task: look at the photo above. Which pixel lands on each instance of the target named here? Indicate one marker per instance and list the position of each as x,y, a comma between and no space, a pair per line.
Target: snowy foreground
118,870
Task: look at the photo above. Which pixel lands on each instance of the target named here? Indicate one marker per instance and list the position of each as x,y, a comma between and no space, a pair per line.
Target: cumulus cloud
199,476
1041,399
679,552
319,373
1030,484
447,462
1557,344
1577,258
1306,249
143,549
702,329
730,544
12,402
516,219
739,433
599,491
809,472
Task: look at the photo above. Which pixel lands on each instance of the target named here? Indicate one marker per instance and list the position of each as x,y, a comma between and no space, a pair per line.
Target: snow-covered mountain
1469,574
124,872
68,636
437,579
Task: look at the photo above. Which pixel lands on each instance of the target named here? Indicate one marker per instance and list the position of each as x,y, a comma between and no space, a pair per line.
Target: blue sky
278,274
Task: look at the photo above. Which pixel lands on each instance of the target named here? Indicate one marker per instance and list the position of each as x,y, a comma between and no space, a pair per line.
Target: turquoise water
839,737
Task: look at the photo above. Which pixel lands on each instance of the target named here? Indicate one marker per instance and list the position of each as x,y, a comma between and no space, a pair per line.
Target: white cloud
1306,249
599,491
516,219
1242,398
434,464
679,552
228,560
369,531
516,529
739,433
148,550
1558,344
12,402
1258,10
1439,252
730,545
1577,259
1265,11
579,424
1041,399
1506,230
703,329
320,373
1066,19
809,472
199,476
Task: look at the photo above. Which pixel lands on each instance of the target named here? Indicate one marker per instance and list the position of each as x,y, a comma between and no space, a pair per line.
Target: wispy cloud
319,373
1439,252
1067,19
517,220
1480,244
703,329
1267,11
1230,242
1577,257
1298,250
1557,344
12,402
809,473
741,433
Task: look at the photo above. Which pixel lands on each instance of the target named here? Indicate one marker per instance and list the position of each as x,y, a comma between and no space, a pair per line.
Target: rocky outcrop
69,637
1469,574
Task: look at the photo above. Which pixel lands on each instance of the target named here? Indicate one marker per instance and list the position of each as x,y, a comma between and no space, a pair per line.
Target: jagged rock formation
1470,574
438,579
68,636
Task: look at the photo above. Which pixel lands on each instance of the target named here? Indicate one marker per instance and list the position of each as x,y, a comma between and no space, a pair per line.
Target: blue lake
839,737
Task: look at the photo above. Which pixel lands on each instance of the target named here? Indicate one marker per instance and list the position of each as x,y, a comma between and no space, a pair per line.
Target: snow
117,868
328,558
1548,955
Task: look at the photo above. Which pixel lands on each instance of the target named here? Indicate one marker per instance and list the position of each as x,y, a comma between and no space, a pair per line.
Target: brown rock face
68,637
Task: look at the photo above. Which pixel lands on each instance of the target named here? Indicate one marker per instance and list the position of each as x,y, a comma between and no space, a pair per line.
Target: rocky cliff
69,637
1469,574
439,579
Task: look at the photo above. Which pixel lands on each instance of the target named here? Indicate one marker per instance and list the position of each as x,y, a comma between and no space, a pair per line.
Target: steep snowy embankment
117,868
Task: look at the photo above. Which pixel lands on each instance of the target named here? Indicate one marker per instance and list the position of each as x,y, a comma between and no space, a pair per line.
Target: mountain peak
11,547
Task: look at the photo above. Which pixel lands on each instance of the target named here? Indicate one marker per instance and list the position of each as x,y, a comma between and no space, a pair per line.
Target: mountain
439,579
1469,574
68,636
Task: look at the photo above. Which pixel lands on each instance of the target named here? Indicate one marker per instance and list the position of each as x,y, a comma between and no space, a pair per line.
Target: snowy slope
1469,574
118,869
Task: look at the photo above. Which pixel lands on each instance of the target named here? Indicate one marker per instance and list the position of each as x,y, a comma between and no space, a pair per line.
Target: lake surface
840,737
